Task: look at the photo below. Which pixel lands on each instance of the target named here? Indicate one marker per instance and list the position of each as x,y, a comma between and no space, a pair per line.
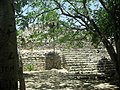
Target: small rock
62,85
105,86
63,70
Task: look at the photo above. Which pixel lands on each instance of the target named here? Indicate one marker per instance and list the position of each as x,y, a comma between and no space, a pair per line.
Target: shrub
30,67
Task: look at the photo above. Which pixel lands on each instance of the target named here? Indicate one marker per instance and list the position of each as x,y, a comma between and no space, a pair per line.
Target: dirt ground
61,80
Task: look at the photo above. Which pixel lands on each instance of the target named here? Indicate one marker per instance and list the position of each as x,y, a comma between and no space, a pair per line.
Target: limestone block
52,60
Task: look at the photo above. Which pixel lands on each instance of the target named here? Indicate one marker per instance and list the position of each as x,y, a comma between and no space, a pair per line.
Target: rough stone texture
60,80
87,61
80,61
36,59
53,60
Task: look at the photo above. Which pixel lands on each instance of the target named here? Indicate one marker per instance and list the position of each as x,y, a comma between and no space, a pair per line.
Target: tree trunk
8,47
118,57
114,55
21,76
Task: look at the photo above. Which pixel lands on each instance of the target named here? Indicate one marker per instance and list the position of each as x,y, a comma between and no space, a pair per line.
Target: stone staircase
79,62
85,61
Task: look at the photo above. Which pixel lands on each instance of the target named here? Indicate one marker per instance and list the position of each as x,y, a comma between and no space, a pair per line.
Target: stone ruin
84,62
52,60
41,59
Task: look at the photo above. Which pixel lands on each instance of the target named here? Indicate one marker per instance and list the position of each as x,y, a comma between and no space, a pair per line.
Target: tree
8,47
107,30
99,19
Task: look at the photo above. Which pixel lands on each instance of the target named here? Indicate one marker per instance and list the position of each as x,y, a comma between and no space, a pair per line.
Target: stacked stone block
87,61
80,61
34,58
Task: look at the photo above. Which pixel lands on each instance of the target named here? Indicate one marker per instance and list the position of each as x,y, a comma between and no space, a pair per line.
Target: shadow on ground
62,80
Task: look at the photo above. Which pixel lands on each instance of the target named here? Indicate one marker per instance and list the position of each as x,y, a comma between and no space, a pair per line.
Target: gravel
58,80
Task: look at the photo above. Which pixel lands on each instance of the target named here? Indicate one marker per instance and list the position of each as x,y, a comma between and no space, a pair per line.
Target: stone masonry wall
89,61
34,60
83,61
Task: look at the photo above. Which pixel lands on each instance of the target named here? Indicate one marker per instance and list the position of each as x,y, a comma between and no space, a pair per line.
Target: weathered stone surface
58,80
105,86
52,60
86,62
36,58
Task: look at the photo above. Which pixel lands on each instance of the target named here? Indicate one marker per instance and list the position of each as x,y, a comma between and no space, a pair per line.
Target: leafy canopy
71,20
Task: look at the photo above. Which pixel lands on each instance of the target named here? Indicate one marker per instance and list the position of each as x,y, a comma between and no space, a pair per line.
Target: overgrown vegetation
69,22
30,67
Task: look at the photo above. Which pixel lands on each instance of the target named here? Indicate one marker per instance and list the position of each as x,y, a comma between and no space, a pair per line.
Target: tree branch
70,15
103,4
77,10
92,22
43,13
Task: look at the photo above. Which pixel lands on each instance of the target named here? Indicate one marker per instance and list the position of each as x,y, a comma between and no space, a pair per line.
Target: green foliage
30,67
67,21
19,32
73,22
105,23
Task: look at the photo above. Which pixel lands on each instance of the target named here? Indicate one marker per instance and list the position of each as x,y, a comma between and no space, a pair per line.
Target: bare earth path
62,80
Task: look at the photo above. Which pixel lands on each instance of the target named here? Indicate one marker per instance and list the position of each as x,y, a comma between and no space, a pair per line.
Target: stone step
83,67
78,54
80,62
83,71
84,50
83,61
76,58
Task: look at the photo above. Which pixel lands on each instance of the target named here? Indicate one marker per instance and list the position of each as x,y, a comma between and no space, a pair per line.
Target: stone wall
34,60
52,60
89,61
82,61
